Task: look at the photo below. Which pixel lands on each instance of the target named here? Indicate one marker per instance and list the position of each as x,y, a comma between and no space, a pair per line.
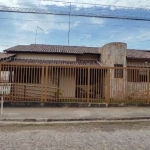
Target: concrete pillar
111,54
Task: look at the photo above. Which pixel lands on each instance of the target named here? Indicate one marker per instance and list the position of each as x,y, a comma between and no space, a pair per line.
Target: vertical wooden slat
42,84
125,83
96,88
100,82
148,98
10,80
21,93
76,90
135,78
65,81
0,72
78,83
62,81
88,84
108,86
70,81
46,83
57,68
52,80
83,83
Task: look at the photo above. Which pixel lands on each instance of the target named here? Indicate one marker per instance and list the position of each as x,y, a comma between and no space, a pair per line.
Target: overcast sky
19,29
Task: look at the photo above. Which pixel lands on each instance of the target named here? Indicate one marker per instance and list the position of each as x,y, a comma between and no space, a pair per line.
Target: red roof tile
5,55
138,65
131,53
54,49
57,62
39,48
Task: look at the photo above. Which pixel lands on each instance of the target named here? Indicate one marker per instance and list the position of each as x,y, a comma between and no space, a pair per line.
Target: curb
72,120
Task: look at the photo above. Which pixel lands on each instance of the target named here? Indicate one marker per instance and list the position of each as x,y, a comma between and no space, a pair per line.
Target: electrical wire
100,24
140,41
43,11
80,3
95,4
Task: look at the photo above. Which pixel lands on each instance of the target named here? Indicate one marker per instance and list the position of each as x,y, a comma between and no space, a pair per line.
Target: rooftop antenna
36,32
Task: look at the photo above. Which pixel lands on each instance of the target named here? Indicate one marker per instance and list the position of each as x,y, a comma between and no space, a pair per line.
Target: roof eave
52,53
138,58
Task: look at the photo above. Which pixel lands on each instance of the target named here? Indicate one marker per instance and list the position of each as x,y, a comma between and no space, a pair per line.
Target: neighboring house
110,55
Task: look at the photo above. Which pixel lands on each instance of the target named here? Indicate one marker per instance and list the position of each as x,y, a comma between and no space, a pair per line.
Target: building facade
98,73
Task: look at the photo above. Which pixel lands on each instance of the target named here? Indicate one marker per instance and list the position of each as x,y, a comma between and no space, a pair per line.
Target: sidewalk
74,114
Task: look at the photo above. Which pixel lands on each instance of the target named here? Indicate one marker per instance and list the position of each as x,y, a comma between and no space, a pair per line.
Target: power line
95,4
68,2
42,11
140,41
101,24
84,10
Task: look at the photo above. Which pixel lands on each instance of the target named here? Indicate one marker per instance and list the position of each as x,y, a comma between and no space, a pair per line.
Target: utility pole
69,25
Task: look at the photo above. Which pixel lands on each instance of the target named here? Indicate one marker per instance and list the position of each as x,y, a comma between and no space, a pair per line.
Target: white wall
87,57
46,56
67,84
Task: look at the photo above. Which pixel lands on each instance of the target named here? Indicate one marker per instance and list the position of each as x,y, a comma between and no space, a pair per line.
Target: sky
20,29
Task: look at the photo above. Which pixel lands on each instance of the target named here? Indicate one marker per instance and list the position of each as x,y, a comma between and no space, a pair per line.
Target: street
86,136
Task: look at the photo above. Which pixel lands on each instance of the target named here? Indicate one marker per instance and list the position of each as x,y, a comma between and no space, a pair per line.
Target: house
76,72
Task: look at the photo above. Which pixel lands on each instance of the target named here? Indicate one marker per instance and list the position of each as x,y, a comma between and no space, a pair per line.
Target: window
118,73
136,75
6,76
142,75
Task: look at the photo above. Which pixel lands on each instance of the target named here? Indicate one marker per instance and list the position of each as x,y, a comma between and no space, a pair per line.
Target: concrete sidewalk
74,114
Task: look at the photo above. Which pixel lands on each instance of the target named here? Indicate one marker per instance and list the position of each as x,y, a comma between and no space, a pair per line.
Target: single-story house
76,70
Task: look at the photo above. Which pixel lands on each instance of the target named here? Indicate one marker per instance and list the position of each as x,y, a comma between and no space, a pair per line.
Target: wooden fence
75,84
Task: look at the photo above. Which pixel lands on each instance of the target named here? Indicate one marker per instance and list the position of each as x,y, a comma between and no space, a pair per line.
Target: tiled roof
54,49
138,65
39,48
131,53
5,55
58,62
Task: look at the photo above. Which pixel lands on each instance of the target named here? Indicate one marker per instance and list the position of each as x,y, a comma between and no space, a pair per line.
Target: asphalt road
87,136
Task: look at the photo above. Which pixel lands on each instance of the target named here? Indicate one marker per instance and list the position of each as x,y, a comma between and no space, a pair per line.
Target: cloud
47,22
97,21
24,31
76,23
48,26
132,36
125,3
84,37
144,35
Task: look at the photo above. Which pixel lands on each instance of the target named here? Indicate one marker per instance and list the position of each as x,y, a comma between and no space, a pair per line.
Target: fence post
148,85
46,83
108,85
88,90
2,94
42,84
0,72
